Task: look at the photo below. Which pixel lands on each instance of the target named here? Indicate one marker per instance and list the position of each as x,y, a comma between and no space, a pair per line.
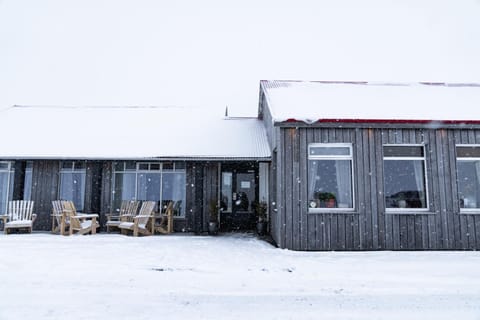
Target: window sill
332,211
473,211
408,211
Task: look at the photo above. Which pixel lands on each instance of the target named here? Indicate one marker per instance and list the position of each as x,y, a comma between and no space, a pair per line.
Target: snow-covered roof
128,133
323,101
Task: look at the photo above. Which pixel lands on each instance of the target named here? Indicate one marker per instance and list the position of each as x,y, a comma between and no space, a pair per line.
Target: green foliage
261,209
213,210
324,196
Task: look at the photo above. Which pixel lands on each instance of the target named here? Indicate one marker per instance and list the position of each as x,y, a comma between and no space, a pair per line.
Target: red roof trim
404,121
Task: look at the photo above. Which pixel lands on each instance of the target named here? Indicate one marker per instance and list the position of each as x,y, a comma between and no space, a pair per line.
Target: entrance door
238,194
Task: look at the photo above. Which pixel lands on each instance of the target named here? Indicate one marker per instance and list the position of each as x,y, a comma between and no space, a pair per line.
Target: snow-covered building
341,165
373,166
98,156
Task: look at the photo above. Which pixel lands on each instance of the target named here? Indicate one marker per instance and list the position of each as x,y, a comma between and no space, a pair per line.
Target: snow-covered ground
234,276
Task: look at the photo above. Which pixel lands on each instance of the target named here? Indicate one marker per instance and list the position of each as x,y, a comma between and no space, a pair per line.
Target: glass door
238,195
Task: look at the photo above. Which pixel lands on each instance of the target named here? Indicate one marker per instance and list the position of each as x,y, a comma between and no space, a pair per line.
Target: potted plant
213,220
401,200
261,210
326,199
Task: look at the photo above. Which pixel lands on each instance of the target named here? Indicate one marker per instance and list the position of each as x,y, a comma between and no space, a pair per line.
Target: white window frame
332,157
27,188
424,159
73,169
161,171
10,177
457,158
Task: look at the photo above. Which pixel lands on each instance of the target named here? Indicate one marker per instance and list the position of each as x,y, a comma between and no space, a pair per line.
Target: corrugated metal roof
129,133
358,101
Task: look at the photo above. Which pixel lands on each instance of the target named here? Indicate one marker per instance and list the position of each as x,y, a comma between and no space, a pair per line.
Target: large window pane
173,189
72,187
27,189
226,196
331,185
124,189
150,181
469,184
404,178
6,189
148,187
330,176
468,176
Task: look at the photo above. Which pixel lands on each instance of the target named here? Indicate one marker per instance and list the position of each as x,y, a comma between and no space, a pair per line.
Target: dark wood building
363,166
99,156
341,166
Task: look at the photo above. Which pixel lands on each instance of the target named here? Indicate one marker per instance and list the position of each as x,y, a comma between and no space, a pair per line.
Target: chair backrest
177,208
57,207
20,210
130,207
57,210
170,208
170,212
146,210
68,208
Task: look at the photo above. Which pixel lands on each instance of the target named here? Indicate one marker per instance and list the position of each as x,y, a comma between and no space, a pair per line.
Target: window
404,177
330,185
72,182
155,181
468,177
27,187
6,184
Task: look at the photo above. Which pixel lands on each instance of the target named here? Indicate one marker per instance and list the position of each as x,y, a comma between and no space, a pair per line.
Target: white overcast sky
214,52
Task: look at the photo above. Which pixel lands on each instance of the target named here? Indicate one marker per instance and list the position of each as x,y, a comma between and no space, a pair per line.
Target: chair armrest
144,216
4,218
85,216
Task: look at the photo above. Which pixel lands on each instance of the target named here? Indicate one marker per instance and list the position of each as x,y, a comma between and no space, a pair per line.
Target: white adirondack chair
19,216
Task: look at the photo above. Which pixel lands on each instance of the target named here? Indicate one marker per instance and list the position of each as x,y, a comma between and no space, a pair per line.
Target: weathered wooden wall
201,184
370,227
45,180
210,190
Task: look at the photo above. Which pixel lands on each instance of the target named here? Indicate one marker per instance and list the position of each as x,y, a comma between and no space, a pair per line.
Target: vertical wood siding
370,228
45,179
210,190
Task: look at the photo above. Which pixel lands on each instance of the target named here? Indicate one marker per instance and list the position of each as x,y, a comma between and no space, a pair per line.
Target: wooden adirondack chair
19,216
142,222
80,223
166,223
128,210
59,219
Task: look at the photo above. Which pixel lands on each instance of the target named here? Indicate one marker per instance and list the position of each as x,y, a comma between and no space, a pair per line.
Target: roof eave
374,122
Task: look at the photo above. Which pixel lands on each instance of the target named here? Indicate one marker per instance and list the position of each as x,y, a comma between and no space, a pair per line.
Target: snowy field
45,276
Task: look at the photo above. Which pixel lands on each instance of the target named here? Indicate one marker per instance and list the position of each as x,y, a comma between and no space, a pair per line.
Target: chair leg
135,231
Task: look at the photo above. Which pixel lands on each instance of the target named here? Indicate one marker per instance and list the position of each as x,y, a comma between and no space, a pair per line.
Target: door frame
232,220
